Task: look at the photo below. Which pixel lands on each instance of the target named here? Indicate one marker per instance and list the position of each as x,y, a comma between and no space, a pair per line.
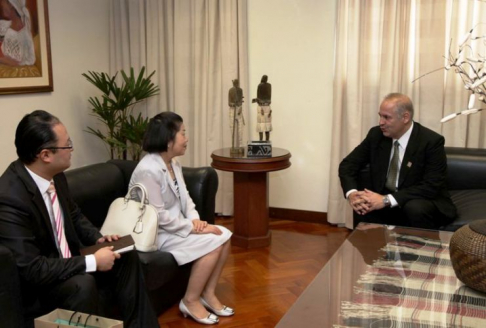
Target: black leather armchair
94,187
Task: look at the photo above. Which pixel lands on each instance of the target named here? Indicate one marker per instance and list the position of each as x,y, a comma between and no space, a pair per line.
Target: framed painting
25,49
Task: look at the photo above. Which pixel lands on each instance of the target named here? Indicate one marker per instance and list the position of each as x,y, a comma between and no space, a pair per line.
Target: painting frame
36,77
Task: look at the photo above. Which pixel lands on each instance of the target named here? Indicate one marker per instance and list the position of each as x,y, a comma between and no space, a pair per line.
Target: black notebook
122,245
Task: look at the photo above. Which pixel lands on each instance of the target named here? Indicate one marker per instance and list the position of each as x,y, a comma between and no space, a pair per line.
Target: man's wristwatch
386,201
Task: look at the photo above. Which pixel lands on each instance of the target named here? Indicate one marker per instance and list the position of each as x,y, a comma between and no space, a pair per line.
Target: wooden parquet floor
262,284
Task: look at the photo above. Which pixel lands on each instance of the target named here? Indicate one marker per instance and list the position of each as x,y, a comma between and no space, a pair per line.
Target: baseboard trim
297,215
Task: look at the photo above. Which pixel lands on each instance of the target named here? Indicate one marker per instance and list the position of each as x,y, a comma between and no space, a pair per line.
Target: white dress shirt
403,143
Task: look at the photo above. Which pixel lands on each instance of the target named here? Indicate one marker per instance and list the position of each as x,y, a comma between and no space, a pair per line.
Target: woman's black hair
35,133
161,130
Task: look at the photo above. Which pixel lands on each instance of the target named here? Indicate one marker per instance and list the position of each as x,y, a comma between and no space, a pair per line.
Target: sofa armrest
202,184
10,293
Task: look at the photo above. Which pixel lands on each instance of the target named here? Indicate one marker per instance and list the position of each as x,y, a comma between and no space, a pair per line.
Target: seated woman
181,232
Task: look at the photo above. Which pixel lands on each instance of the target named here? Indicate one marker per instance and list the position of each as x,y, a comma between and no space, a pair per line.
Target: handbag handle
143,199
138,228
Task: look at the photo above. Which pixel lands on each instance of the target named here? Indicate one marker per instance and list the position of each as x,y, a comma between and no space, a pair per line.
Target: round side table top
225,161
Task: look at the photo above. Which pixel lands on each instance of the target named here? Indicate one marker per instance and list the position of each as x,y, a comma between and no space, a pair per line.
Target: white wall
79,42
293,42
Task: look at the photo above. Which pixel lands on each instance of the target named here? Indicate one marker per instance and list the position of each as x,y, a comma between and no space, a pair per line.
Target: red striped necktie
56,209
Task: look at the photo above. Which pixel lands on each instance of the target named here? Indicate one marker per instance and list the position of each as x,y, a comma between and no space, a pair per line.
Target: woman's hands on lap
198,225
202,227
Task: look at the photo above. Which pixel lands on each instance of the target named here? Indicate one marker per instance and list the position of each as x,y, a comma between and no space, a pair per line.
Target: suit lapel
180,182
408,157
170,182
168,178
37,198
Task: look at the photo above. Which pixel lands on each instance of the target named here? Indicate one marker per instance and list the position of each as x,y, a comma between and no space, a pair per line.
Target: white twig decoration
470,64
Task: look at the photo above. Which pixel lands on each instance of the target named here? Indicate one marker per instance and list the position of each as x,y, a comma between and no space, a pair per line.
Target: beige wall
79,42
292,42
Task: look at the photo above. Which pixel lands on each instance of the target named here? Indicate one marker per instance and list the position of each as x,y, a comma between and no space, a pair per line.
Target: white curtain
196,47
381,47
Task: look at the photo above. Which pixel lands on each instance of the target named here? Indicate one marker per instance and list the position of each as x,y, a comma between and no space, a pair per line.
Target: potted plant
124,131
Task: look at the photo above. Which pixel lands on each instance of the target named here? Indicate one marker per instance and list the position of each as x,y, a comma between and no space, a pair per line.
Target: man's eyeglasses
70,146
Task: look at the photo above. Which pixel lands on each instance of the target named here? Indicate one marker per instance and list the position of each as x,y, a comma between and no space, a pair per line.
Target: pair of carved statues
264,111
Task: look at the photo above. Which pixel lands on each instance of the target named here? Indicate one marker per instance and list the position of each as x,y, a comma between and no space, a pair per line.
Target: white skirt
194,246
264,122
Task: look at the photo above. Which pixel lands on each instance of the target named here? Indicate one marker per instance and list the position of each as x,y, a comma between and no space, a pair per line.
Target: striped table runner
413,285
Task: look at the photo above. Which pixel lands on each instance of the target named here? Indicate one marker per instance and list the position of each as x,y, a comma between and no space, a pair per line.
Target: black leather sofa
94,187
466,181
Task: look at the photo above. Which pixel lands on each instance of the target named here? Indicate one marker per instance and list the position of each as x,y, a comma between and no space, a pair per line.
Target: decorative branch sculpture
469,63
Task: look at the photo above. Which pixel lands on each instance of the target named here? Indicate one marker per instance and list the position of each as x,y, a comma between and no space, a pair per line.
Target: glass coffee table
384,276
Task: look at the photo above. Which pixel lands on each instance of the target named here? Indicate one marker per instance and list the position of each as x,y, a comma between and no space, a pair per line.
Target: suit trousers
417,213
124,283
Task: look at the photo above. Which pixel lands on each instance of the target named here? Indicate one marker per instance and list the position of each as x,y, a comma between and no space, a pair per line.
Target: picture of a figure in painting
264,111
236,119
16,43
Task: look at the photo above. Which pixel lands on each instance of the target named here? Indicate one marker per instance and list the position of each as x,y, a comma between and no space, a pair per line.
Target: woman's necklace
169,167
168,164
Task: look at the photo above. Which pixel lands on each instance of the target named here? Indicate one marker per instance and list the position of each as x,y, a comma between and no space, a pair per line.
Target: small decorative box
259,149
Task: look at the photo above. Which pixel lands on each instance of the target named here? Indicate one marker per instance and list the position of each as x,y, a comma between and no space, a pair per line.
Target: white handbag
139,219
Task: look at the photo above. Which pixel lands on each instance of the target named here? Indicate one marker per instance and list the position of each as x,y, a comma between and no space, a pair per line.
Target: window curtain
381,47
196,47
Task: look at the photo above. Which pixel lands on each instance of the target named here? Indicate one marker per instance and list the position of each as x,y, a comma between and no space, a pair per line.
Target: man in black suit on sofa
408,168
45,234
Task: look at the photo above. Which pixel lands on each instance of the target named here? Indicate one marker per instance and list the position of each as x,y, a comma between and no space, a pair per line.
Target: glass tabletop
386,276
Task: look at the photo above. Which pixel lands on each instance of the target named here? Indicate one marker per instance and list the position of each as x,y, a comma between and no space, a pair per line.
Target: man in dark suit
45,230
408,168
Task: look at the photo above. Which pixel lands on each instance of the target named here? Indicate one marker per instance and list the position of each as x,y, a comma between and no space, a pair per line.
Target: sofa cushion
126,167
470,206
94,187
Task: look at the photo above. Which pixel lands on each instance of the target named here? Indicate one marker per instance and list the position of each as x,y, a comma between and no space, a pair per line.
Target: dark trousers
124,282
417,213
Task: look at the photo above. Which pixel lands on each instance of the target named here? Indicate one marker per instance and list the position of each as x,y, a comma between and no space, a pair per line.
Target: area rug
413,285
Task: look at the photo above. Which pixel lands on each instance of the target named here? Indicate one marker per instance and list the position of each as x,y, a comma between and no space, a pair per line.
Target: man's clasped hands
365,201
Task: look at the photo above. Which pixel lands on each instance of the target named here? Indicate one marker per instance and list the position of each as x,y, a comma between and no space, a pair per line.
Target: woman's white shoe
211,319
224,312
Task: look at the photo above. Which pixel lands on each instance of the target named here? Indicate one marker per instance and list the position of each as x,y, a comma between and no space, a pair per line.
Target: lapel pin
409,164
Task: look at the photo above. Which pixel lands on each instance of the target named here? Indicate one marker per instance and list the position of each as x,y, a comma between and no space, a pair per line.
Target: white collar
403,141
41,183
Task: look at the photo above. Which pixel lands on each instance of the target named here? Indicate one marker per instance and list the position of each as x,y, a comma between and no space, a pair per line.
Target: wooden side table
250,176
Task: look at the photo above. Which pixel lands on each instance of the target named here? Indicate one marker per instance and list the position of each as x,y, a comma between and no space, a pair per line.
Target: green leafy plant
124,132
